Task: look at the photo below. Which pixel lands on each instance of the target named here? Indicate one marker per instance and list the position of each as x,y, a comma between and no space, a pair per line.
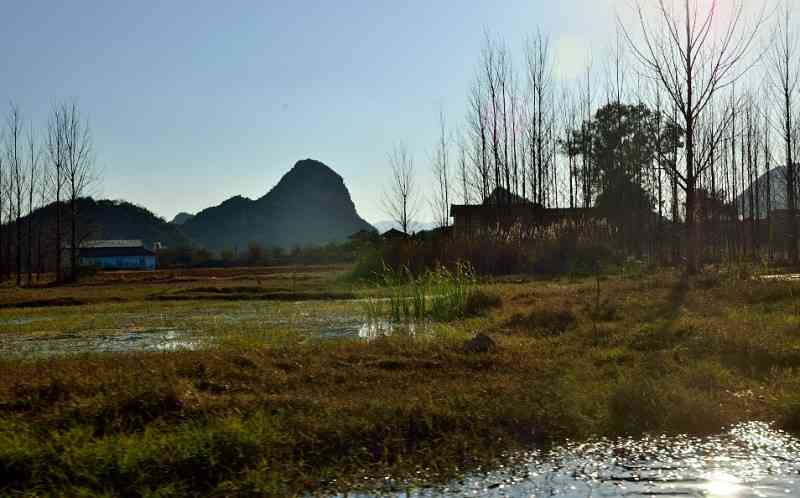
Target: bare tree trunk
784,73
768,165
79,174
16,165
441,174
33,164
56,149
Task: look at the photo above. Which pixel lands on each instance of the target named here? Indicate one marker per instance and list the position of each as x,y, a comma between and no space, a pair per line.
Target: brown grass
675,355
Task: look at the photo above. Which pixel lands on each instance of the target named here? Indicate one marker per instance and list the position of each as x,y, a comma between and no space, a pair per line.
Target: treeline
51,167
256,254
663,137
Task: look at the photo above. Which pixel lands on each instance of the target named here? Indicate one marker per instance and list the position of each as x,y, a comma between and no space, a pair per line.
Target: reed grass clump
441,294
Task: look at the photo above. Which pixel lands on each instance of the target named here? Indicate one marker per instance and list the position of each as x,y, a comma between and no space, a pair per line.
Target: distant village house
115,255
503,209
393,235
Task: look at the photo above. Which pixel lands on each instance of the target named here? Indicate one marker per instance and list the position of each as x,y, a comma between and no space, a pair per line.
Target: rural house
504,209
394,234
116,255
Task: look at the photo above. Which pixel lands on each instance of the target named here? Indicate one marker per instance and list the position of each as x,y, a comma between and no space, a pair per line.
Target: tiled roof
111,252
112,243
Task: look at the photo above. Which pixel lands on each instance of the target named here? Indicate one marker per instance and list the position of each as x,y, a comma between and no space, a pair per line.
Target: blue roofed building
116,255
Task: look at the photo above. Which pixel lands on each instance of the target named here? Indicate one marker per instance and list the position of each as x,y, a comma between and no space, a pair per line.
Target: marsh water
749,460
49,332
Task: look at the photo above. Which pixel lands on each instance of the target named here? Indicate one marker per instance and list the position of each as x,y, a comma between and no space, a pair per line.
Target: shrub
644,403
543,322
480,301
605,311
652,338
369,267
571,256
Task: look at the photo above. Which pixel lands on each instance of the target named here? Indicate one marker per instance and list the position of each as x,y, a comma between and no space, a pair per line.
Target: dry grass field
285,413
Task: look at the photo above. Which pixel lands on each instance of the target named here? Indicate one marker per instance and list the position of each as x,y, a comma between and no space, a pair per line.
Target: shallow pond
749,460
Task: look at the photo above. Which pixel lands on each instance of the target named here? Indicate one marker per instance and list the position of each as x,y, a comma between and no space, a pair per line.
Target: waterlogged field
131,313
300,381
177,325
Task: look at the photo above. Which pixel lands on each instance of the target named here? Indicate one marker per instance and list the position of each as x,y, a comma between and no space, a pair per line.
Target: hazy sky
191,102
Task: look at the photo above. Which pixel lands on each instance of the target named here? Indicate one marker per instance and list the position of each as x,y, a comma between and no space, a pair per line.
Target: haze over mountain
181,218
777,191
310,205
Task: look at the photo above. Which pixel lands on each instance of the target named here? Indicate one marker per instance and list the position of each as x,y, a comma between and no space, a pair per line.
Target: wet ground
111,341
749,460
55,331
782,277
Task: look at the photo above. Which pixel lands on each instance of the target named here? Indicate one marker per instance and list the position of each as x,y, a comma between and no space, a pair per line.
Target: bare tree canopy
78,165
401,199
693,54
56,155
783,77
440,167
15,159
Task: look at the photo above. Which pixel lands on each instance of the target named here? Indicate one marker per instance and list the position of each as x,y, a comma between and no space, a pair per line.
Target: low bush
543,322
568,255
480,301
653,401
492,254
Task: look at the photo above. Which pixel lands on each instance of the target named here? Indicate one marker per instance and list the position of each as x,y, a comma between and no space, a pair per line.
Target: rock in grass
481,343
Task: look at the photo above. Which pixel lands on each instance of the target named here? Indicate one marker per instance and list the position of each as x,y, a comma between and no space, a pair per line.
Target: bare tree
539,80
79,172
464,177
693,58
495,72
3,255
16,163
34,177
478,128
784,76
400,201
440,167
56,154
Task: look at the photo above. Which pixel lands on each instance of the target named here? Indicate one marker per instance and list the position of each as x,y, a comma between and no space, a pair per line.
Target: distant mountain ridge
310,205
113,219
181,218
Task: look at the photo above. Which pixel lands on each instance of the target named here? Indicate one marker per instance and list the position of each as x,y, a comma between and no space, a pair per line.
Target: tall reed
440,294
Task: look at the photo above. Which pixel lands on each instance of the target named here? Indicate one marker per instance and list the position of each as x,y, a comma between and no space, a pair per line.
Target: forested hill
107,219
310,205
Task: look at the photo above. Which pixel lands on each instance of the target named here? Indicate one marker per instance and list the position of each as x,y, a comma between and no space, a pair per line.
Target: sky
193,102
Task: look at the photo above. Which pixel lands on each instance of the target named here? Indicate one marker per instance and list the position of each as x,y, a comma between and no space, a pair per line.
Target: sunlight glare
722,484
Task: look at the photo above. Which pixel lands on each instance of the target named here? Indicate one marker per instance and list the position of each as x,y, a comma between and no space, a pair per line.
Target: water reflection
372,329
111,341
750,460
170,338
